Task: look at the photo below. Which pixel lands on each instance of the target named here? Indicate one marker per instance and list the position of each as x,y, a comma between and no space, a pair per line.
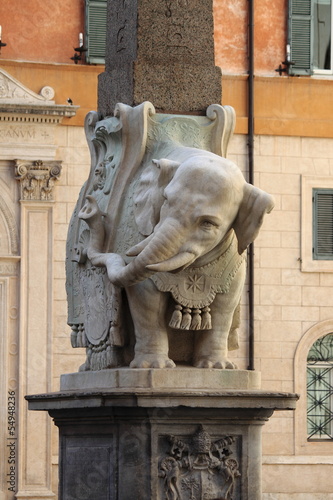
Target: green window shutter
323,224
96,31
300,29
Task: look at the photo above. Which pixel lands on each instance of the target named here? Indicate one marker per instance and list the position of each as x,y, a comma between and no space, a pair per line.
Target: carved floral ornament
37,178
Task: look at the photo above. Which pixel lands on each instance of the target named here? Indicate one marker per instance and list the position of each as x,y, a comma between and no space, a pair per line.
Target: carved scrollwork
47,92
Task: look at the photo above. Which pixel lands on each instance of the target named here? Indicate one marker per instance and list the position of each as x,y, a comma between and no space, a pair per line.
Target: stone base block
177,378
140,443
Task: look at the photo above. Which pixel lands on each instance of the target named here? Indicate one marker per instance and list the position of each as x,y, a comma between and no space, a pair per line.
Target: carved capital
37,178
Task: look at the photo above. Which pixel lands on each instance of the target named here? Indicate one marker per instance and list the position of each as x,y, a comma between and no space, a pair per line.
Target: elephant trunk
92,215
159,252
164,244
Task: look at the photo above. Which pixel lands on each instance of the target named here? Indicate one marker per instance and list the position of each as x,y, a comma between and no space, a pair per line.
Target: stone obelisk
160,51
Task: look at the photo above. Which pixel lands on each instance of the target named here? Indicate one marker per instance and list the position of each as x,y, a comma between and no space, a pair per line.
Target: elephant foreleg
211,346
148,307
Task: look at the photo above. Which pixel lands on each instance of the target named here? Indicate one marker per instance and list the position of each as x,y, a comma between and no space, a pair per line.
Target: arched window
320,389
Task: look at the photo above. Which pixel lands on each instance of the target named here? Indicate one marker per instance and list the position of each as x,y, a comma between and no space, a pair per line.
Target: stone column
162,52
36,184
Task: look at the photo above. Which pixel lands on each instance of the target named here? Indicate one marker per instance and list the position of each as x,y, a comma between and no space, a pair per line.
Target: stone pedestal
135,438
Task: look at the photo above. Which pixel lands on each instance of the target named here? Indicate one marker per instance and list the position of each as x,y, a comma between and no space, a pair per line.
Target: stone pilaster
36,183
9,349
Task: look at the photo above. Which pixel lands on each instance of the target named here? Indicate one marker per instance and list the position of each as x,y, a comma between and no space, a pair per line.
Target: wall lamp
287,63
1,42
79,50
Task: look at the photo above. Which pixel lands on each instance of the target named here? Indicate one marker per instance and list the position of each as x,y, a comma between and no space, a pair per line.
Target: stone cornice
39,109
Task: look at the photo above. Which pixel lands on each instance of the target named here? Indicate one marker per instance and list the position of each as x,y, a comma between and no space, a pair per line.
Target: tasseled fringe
82,336
78,336
196,320
185,319
109,356
176,319
100,357
206,323
74,335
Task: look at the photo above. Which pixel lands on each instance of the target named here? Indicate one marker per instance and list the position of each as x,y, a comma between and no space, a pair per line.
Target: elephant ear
255,204
149,193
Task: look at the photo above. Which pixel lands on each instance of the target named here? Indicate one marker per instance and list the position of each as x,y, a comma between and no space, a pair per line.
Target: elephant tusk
181,260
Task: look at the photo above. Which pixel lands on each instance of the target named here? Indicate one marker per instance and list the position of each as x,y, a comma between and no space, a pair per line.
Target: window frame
308,263
314,449
317,230
325,367
94,10
301,39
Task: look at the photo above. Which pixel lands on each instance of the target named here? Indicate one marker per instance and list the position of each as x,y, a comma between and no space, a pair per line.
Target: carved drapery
37,178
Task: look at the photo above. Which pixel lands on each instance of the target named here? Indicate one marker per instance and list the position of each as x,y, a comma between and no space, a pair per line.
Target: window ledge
297,460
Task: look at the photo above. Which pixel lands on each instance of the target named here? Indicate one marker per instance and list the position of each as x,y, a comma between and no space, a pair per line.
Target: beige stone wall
34,345
293,307
74,153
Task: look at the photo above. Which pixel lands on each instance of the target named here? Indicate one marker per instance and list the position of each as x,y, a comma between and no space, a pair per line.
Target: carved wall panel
199,466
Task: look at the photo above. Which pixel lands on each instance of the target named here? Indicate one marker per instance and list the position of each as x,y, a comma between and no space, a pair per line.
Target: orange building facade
293,154
40,46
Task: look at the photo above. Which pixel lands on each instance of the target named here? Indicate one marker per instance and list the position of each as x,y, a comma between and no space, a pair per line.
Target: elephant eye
208,224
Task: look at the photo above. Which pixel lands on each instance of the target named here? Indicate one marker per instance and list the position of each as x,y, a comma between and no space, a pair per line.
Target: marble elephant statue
197,215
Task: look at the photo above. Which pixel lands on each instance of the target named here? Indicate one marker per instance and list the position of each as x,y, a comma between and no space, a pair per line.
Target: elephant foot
152,361
221,363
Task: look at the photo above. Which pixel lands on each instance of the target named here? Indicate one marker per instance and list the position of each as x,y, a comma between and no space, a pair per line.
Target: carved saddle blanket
195,288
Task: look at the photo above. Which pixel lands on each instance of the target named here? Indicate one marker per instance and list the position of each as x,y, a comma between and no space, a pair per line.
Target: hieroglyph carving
37,178
166,219
199,468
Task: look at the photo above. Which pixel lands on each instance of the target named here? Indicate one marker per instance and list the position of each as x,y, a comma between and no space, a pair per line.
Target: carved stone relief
37,178
199,467
12,90
157,239
17,98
